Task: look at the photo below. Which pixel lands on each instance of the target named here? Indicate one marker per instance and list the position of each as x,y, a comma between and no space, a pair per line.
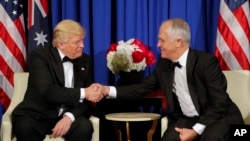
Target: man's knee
85,127
27,128
22,126
81,128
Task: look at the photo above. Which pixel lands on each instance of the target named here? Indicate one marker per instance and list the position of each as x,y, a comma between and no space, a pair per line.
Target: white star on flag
40,38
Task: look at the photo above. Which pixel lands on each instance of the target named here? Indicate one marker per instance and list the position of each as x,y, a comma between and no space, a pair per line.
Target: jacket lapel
57,65
191,61
80,68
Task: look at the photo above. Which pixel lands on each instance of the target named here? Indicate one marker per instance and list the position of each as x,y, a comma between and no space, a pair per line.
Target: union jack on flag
12,47
233,35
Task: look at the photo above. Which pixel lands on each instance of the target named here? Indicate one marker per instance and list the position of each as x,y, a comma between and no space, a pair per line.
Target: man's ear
179,43
60,46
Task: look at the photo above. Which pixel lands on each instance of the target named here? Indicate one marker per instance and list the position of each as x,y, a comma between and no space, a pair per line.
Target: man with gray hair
199,108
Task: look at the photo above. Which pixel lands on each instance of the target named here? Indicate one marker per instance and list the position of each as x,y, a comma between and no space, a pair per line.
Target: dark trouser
218,131
27,128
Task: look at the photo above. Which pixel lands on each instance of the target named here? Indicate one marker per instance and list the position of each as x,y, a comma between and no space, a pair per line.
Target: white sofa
20,85
238,89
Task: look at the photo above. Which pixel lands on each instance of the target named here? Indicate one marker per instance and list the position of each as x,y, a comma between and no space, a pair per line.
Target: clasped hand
96,92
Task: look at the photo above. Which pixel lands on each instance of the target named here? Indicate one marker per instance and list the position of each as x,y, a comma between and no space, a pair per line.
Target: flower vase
127,78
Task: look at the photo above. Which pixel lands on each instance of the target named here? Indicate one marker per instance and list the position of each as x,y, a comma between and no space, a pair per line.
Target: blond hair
65,29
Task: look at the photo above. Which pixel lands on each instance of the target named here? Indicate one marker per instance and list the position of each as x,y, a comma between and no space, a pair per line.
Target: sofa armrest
164,125
6,127
96,123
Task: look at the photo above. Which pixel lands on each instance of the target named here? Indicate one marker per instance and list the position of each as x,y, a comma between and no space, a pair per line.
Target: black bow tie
175,64
65,59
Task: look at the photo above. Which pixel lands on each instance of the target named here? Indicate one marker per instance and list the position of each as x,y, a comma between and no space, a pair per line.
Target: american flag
233,35
38,24
12,47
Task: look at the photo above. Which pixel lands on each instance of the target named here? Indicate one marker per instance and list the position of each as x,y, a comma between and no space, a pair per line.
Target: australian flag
39,27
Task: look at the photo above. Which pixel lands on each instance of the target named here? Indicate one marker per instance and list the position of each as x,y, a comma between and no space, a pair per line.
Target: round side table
133,117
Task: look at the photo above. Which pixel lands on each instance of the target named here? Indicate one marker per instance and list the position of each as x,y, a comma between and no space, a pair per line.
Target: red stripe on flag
233,43
44,4
7,71
4,99
19,25
223,63
243,21
12,46
30,13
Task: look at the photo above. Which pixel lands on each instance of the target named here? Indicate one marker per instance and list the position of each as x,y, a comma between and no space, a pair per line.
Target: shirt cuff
70,115
112,92
199,128
82,96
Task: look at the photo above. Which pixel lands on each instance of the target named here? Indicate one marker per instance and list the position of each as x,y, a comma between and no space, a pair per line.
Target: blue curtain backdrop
108,21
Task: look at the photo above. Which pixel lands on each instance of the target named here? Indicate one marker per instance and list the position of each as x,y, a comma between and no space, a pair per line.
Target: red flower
112,47
140,45
150,58
137,56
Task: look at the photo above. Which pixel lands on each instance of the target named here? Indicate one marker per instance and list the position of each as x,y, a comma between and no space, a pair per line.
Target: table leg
118,132
152,130
127,131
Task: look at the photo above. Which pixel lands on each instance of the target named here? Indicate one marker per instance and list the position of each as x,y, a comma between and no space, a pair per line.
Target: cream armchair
238,89
20,85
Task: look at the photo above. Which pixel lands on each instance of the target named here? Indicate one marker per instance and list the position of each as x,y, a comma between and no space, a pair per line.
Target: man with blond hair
57,100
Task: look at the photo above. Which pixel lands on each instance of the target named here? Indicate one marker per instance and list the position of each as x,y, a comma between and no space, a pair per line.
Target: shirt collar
183,59
61,54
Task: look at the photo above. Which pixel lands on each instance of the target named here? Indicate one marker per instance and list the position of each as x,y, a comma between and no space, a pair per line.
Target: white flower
127,56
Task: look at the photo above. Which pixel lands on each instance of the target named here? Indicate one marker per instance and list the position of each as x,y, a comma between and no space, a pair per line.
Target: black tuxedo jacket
46,91
206,83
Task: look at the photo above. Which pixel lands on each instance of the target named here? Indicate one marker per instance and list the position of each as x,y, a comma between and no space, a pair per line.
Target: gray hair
179,29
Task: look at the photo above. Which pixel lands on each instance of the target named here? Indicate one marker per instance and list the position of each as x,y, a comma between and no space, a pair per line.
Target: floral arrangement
128,56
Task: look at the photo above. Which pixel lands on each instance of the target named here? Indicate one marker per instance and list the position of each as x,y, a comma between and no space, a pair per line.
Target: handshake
96,92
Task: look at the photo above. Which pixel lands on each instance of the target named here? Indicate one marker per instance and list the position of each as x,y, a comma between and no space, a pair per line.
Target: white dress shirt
69,83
